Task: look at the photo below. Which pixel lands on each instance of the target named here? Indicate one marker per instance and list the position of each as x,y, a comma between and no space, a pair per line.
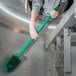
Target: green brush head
11,64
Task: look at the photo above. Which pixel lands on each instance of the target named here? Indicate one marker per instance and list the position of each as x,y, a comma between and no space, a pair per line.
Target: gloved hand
32,30
54,13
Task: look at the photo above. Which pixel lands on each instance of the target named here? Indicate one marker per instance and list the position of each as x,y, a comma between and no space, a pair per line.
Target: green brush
14,61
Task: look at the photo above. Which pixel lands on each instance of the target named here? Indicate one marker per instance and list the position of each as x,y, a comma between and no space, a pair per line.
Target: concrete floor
36,62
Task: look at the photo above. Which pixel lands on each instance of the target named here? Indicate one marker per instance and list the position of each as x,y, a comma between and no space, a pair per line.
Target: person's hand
54,13
32,30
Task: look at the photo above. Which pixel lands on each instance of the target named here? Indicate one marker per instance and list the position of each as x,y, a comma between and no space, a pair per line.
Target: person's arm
33,17
62,6
36,6
32,30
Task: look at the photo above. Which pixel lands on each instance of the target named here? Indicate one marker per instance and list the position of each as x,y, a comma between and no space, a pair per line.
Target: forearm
33,18
33,32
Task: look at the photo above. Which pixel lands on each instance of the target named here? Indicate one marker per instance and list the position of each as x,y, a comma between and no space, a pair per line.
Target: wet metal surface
36,62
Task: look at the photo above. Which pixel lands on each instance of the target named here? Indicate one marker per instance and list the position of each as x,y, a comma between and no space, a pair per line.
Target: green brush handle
38,31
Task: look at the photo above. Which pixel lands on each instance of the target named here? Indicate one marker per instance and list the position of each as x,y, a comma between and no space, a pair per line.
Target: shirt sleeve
36,6
63,4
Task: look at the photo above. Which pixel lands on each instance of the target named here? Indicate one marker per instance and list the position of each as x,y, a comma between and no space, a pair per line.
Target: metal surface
70,64
36,62
73,53
12,13
67,51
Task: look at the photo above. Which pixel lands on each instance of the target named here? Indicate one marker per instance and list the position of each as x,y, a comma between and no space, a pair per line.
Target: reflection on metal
16,30
51,27
2,7
74,15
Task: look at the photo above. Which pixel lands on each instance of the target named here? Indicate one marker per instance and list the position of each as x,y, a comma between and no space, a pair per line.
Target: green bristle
11,64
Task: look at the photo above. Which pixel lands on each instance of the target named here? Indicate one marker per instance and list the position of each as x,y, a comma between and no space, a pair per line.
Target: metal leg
60,57
67,52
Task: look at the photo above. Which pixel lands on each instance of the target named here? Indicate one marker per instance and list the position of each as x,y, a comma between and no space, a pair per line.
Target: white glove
54,13
32,30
